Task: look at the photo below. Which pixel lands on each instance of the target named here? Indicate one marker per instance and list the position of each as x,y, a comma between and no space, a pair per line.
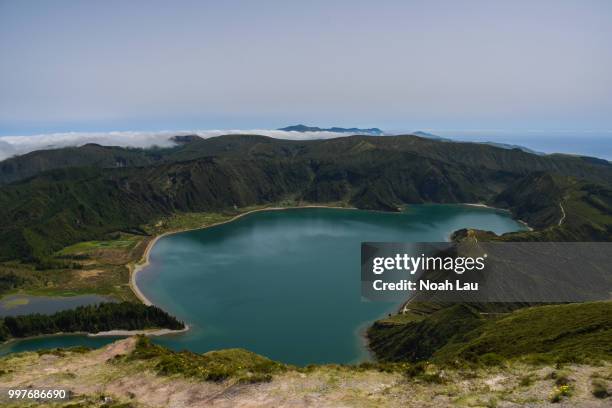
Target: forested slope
59,207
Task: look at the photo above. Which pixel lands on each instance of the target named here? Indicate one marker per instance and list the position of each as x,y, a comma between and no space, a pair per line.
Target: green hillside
30,164
260,147
60,207
570,333
77,219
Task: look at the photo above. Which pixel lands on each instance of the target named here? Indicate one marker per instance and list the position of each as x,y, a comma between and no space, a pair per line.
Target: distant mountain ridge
431,136
495,144
513,146
355,131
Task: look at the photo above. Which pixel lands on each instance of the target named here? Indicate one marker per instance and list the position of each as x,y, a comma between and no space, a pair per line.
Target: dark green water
285,284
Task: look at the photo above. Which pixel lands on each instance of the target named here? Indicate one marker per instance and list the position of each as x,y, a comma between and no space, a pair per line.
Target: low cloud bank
18,145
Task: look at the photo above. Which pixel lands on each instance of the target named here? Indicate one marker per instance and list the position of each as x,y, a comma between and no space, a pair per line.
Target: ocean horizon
584,143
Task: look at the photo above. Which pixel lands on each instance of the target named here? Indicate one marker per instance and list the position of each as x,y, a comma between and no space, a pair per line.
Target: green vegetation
100,267
78,401
120,242
91,319
600,388
182,221
560,392
561,208
419,339
94,275
527,380
61,352
239,364
79,216
580,333
133,370
10,281
71,204
400,319
426,372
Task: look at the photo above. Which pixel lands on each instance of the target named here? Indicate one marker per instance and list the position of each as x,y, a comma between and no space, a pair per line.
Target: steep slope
63,206
420,338
254,146
30,164
68,205
580,332
561,208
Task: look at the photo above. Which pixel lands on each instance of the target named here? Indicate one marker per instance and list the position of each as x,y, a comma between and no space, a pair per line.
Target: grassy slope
125,374
572,332
261,147
419,339
560,208
240,364
90,155
63,207
68,205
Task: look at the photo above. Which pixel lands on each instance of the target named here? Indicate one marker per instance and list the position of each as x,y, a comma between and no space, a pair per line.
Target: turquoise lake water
285,284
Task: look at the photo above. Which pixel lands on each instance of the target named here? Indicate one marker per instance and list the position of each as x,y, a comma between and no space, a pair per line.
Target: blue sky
399,65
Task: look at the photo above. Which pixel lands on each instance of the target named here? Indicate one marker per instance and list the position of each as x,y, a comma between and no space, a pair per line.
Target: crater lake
284,284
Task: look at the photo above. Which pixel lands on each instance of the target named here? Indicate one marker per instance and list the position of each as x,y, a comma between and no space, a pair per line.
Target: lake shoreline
144,262
110,333
146,332
481,205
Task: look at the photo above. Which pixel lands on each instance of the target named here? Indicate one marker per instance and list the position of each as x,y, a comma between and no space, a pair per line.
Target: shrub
600,388
558,393
217,366
562,378
491,359
424,371
255,378
415,369
526,381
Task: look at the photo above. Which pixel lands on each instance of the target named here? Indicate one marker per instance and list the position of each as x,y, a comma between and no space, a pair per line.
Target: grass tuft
239,364
600,388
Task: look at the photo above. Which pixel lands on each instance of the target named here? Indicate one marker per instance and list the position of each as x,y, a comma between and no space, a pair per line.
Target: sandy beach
497,208
483,206
149,332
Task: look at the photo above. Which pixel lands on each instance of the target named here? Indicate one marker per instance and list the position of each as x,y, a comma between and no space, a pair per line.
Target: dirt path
562,212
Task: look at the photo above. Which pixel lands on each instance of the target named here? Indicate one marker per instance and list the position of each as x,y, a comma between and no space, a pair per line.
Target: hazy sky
145,65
